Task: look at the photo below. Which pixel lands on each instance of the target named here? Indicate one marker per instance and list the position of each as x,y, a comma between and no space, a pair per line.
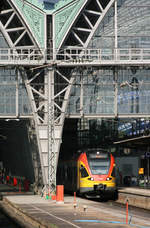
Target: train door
78,175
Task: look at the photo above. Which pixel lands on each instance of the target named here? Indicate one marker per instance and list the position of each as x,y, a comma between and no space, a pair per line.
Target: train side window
83,172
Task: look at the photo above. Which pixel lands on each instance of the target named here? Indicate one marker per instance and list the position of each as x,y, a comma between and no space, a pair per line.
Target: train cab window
99,166
83,172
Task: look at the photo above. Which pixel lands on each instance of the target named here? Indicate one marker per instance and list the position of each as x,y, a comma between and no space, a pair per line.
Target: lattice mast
51,135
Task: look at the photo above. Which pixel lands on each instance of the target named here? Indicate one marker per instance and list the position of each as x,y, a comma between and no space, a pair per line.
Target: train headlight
91,178
108,178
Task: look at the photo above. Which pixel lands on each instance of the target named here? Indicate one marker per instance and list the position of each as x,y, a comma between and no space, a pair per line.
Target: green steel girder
34,13
64,19
47,7
65,14
34,18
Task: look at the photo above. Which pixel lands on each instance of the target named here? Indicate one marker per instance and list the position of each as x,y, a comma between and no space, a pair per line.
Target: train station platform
34,211
136,196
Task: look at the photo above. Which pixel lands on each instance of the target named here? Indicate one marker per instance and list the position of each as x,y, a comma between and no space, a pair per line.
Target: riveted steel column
51,137
81,91
116,31
116,91
116,26
115,68
17,93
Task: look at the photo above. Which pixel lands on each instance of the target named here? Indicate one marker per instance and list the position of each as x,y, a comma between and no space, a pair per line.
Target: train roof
88,150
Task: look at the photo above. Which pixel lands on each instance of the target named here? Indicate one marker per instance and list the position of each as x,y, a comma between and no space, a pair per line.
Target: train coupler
99,187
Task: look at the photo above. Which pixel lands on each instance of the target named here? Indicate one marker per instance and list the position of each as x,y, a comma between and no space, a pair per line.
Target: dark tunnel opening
69,144
15,149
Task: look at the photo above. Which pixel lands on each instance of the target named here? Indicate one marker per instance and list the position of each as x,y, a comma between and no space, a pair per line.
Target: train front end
96,173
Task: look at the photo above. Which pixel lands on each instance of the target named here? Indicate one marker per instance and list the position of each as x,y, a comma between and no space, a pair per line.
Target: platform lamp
127,151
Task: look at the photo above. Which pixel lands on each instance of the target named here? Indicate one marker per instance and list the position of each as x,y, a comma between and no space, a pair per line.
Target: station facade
83,59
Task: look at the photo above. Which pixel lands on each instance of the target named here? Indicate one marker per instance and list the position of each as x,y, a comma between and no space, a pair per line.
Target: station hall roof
34,11
50,6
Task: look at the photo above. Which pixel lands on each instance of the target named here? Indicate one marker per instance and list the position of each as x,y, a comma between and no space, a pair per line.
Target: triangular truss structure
14,28
86,23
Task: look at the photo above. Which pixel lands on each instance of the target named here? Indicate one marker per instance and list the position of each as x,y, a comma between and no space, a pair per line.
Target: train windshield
99,166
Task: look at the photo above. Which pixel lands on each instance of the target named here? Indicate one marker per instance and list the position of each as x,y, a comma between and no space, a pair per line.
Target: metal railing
22,56
104,54
32,56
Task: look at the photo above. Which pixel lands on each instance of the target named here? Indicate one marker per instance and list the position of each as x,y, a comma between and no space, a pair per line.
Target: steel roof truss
19,38
58,106
88,14
41,106
9,20
36,106
100,6
98,22
88,21
66,99
77,38
41,119
65,92
7,11
21,26
37,92
93,12
62,91
34,77
66,79
82,29
7,37
15,29
30,94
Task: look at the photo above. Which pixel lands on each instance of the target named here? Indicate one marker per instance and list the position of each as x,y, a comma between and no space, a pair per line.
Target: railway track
7,222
